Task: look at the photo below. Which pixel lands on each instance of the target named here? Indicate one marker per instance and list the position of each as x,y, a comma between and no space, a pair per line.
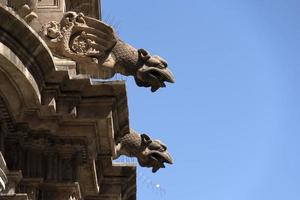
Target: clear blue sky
232,120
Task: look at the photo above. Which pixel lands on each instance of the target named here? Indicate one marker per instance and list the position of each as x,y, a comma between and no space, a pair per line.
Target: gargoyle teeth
158,165
154,169
161,158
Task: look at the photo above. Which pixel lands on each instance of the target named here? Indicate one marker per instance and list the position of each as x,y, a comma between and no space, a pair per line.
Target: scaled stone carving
95,46
150,153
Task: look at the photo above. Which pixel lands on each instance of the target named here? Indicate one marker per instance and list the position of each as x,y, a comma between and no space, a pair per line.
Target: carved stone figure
25,8
59,130
150,153
95,45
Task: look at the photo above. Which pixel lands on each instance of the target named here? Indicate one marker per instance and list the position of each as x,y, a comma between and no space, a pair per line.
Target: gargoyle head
154,155
71,17
154,72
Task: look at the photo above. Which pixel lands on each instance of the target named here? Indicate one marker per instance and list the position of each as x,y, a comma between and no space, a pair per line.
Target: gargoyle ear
143,54
146,139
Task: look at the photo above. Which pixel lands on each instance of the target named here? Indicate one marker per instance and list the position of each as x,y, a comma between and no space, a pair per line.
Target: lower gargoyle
150,153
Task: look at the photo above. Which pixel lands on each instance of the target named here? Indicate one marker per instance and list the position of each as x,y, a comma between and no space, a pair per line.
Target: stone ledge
14,197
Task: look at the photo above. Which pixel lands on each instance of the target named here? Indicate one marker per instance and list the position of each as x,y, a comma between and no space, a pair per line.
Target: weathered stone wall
57,128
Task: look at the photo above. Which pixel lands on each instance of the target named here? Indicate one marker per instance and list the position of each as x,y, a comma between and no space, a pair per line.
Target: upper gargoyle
96,49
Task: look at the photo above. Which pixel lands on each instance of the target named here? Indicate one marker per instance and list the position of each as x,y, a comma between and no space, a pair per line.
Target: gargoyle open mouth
154,77
158,159
149,153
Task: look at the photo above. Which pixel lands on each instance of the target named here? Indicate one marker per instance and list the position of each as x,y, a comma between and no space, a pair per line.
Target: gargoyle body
150,153
95,45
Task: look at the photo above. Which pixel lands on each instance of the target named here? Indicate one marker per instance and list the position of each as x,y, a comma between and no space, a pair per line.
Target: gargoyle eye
165,64
154,146
161,66
162,62
164,147
158,146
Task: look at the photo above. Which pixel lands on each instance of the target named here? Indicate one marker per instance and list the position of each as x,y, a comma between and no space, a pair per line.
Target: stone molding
55,106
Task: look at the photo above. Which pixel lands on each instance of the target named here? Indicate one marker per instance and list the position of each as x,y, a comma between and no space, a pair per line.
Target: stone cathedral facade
60,127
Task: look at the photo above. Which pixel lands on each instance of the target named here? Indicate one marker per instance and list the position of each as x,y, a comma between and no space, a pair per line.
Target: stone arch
18,87
27,46
26,63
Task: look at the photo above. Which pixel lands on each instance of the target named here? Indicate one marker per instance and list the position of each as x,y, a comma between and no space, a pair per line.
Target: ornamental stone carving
98,50
99,53
150,153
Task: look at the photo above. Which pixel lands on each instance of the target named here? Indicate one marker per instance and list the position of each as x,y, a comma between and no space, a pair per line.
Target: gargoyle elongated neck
127,58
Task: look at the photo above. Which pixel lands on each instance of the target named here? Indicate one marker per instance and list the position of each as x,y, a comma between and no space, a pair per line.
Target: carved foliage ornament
95,45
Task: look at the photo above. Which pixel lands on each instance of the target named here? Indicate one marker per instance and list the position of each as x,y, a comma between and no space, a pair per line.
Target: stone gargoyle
97,49
150,153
